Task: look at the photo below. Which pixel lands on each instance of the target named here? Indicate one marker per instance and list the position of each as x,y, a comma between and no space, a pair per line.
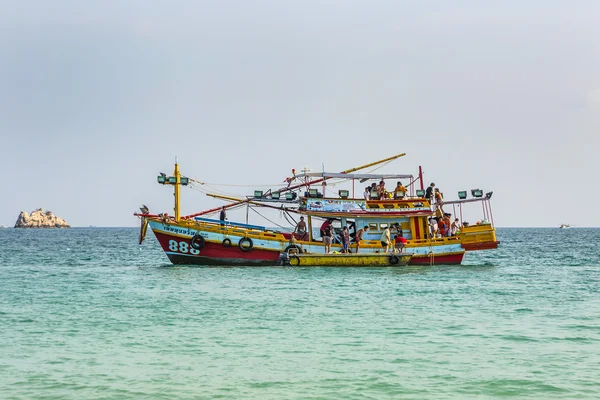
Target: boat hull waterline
179,250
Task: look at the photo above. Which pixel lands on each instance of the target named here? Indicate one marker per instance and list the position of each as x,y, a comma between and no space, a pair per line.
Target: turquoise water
87,313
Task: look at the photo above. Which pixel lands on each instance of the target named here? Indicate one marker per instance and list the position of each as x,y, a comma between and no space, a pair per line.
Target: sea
88,313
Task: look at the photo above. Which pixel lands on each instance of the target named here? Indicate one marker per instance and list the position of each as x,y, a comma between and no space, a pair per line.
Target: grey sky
97,97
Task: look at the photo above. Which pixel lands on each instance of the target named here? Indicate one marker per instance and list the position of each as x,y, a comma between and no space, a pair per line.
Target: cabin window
373,226
383,226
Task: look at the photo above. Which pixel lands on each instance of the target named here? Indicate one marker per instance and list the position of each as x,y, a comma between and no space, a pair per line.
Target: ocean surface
87,313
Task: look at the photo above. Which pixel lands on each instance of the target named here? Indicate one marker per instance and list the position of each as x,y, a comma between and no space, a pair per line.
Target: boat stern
479,237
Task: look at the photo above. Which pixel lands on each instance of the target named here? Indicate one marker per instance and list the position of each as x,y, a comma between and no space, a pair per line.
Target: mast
177,175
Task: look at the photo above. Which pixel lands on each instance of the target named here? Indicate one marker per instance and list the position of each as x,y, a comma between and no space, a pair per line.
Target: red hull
451,259
217,254
480,246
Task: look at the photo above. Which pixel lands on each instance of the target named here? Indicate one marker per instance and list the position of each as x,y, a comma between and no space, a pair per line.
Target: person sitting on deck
455,227
359,236
400,242
300,231
381,190
399,191
374,193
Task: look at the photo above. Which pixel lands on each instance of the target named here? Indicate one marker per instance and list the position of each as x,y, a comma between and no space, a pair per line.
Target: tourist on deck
433,227
345,238
359,236
399,191
385,239
367,193
381,190
400,242
430,195
327,222
448,224
222,216
455,227
441,227
327,237
439,199
300,230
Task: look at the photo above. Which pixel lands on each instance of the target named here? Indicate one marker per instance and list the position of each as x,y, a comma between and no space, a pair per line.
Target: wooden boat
196,239
347,260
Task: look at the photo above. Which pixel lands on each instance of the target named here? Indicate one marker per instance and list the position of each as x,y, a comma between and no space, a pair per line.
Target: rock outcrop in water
40,219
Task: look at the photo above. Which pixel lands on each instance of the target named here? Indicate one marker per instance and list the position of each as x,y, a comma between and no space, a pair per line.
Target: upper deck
361,207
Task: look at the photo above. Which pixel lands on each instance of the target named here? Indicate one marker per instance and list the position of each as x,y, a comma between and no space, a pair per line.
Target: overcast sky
96,98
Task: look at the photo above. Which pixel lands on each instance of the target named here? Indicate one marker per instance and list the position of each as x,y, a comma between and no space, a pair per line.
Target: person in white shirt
433,226
386,239
455,226
367,193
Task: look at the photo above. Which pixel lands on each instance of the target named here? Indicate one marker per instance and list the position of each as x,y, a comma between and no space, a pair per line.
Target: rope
273,222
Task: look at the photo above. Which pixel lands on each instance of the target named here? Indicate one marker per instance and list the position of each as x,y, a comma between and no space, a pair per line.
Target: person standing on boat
359,236
345,237
433,225
448,224
327,222
439,199
222,216
327,237
430,195
385,239
367,193
300,230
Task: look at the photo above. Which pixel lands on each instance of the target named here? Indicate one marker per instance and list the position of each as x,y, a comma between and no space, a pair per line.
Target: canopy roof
353,176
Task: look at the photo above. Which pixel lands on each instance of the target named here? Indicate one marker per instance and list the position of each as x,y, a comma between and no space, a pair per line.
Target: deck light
313,192
184,181
462,194
344,194
420,193
161,179
275,195
476,192
172,180
290,196
258,193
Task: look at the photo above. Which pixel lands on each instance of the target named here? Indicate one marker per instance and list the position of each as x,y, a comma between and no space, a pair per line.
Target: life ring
198,242
293,246
294,261
226,242
394,259
245,244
